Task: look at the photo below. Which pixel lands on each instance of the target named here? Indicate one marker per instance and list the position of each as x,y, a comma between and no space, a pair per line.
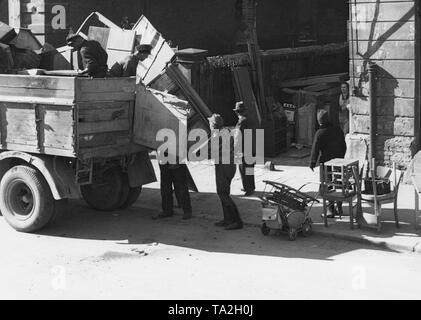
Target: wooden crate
67,116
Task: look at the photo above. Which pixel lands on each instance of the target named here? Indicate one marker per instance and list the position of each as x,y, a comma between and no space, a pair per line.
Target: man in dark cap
94,57
329,143
128,66
246,169
224,173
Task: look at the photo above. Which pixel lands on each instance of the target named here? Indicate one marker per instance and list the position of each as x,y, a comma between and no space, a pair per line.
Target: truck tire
107,194
133,195
26,201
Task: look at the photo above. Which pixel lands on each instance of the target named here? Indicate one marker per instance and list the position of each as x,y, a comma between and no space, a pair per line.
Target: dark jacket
95,58
329,143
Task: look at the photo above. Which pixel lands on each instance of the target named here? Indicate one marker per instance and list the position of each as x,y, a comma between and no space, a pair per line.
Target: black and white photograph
210,154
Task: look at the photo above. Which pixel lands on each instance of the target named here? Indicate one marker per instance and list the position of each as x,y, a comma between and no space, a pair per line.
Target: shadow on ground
135,226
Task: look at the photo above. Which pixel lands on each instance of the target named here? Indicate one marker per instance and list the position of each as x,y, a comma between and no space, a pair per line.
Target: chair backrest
394,175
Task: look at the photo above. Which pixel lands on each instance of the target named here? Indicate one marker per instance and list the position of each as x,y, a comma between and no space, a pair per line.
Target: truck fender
57,171
140,170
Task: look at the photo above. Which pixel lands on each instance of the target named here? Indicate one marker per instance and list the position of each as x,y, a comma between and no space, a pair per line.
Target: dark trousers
177,176
224,173
248,180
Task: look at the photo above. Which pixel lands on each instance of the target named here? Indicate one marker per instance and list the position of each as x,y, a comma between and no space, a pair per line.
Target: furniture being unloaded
340,181
383,189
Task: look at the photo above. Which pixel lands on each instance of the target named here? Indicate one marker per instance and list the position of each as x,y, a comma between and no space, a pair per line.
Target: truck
66,137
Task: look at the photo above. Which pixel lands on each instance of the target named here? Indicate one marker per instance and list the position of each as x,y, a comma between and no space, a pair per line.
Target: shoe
221,224
234,226
249,193
162,216
187,215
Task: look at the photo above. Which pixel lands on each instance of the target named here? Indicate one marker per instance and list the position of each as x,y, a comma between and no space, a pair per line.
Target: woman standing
344,108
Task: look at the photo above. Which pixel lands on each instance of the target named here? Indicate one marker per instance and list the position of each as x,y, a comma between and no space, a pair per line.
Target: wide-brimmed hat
240,107
144,48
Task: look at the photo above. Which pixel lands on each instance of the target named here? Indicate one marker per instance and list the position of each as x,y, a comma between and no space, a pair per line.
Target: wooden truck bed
67,116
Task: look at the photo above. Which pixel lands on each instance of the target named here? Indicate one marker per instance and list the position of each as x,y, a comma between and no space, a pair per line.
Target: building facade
385,33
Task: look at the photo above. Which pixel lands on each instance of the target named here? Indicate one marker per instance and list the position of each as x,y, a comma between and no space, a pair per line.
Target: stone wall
384,32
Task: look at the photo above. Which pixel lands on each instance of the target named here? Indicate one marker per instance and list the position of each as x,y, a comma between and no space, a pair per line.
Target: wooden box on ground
67,116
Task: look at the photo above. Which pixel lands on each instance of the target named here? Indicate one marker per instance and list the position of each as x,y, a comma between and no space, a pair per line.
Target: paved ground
90,255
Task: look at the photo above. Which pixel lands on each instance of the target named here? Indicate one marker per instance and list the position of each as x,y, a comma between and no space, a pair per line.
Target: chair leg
351,215
325,213
395,210
378,215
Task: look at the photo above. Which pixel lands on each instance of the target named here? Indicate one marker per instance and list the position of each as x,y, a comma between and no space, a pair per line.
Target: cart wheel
292,234
265,230
26,201
133,195
307,229
108,194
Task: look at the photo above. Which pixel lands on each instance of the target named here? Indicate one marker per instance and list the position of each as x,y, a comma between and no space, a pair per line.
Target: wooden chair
340,181
395,176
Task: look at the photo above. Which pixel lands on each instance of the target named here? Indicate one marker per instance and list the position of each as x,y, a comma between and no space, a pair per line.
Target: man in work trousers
246,169
329,143
176,174
128,66
224,173
94,57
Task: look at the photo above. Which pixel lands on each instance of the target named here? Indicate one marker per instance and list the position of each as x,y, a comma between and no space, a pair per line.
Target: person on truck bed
128,66
94,57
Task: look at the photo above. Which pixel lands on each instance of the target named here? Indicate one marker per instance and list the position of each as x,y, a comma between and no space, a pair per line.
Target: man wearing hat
246,169
224,173
329,143
94,57
128,66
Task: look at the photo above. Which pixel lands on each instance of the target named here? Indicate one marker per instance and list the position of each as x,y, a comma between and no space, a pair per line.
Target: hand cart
286,209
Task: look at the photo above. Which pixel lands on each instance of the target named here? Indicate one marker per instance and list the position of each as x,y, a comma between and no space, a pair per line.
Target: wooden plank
104,114
35,93
105,96
245,91
127,85
103,126
87,106
37,82
104,139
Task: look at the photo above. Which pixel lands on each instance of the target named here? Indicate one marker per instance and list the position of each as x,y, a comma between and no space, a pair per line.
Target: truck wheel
107,193
26,201
133,195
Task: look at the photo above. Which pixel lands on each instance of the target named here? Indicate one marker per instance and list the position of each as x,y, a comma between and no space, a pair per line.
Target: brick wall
385,34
